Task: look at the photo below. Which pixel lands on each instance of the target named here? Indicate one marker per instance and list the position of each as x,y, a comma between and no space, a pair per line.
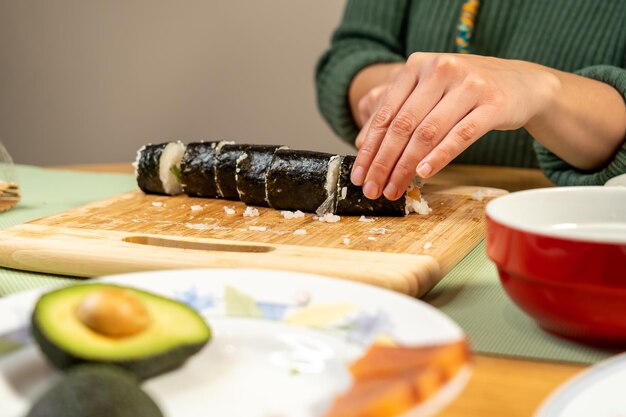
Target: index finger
394,98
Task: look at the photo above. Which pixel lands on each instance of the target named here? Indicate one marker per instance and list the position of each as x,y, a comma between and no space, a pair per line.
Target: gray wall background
90,81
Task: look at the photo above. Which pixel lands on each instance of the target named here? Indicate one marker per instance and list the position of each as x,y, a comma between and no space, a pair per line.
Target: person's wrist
546,91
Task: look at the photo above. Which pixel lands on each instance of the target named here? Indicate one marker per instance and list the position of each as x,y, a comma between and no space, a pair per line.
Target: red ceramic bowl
561,256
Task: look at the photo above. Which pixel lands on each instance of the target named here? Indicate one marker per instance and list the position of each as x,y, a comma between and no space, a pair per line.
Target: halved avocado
145,333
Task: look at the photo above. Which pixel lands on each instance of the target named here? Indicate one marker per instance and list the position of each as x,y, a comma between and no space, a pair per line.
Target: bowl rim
531,229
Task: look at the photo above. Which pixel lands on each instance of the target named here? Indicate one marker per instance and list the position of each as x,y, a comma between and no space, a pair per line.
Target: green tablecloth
471,294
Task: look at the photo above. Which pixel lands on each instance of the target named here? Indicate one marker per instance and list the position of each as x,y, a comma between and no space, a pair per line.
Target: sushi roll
225,169
157,168
197,170
351,201
251,169
301,180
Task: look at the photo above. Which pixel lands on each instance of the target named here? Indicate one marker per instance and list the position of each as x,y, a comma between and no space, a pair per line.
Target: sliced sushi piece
351,200
225,168
197,170
252,167
301,180
157,168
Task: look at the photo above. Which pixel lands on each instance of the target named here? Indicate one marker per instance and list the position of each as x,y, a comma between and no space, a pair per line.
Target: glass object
9,188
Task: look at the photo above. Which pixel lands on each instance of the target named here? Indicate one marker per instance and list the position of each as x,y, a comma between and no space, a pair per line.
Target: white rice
379,230
299,232
427,245
415,206
229,210
257,228
251,212
332,176
292,214
346,241
329,218
241,158
138,158
371,238
157,203
479,195
195,208
171,156
365,219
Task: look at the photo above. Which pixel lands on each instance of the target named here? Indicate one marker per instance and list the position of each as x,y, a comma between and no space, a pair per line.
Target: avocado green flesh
95,391
175,332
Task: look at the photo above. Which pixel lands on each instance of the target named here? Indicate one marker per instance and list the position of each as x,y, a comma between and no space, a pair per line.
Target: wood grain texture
499,386
508,387
134,232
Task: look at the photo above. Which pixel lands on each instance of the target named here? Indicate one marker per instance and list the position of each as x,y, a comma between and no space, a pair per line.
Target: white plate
596,392
620,180
281,342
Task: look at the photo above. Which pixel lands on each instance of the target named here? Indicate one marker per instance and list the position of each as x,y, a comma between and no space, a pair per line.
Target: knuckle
427,132
404,170
382,117
445,64
445,155
497,99
414,58
474,83
380,164
467,133
366,150
403,125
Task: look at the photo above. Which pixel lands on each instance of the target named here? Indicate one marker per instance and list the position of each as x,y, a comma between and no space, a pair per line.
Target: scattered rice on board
251,212
329,218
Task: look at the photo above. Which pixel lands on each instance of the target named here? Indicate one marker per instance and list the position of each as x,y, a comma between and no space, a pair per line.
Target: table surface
499,386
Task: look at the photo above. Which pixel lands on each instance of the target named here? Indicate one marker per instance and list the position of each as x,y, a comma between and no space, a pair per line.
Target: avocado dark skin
96,391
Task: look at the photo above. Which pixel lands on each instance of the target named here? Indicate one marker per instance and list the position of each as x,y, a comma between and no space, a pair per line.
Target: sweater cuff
559,171
334,83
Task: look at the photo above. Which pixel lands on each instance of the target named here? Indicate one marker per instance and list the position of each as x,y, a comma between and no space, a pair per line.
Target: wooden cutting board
137,232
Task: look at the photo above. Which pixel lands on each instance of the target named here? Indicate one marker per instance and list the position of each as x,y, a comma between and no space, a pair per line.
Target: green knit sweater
580,36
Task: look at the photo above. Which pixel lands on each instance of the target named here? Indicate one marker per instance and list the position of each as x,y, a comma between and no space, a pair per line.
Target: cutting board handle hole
185,244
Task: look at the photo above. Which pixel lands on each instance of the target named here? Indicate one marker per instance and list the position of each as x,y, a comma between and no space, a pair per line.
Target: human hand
436,107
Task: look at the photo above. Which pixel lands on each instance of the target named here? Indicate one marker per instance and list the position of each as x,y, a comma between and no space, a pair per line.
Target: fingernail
424,169
370,189
390,191
358,175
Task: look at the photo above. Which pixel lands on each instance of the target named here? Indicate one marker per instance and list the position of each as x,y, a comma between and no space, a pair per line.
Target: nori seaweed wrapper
225,168
197,170
147,168
251,174
352,202
296,180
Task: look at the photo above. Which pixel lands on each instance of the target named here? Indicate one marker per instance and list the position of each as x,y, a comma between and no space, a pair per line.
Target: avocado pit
113,312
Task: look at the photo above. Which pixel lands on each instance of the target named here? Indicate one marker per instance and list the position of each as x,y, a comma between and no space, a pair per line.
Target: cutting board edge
64,251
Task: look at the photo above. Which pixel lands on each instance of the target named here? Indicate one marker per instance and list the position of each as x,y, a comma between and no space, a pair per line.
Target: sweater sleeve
559,171
371,32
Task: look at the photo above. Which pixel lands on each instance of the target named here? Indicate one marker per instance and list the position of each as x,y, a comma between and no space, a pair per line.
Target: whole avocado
96,391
